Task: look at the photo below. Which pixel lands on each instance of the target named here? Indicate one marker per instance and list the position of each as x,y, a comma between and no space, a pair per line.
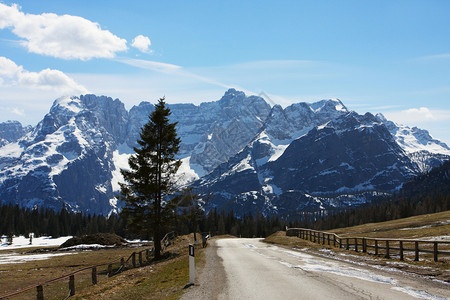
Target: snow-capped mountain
12,131
351,158
249,156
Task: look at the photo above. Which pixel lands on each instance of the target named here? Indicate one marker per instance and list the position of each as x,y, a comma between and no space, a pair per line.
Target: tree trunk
157,241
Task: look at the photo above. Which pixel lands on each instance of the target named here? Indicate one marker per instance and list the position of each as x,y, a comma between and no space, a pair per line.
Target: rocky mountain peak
12,131
249,155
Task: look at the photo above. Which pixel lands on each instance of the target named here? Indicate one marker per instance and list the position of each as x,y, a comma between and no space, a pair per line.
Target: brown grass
395,229
164,279
161,280
424,226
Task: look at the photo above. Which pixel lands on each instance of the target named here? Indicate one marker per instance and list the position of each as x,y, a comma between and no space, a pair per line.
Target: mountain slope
346,161
249,156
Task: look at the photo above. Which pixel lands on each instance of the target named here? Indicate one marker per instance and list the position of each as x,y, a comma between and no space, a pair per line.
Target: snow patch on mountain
11,150
120,161
185,173
72,105
414,139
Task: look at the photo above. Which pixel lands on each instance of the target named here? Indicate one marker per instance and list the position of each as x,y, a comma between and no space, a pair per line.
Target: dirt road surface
256,270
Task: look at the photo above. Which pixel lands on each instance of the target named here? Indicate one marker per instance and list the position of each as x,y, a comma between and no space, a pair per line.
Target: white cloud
423,113
142,43
13,75
418,115
66,36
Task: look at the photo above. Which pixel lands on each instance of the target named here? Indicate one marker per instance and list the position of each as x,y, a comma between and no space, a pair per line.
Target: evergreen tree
150,178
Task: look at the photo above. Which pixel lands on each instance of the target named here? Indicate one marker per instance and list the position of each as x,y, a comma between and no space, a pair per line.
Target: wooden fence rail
377,246
120,265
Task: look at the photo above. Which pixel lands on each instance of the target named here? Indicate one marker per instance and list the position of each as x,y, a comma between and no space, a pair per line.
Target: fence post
94,275
147,255
323,238
328,239
416,250
140,258
133,259
401,250
356,244
122,262
364,245
387,249
40,292
435,251
314,237
334,240
376,247
72,285
110,273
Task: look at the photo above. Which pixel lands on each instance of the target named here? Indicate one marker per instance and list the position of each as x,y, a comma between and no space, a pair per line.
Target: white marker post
191,265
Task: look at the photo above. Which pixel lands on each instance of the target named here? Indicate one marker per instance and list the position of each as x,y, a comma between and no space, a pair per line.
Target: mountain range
238,153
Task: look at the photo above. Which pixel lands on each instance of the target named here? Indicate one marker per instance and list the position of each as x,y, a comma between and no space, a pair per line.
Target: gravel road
211,280
251,269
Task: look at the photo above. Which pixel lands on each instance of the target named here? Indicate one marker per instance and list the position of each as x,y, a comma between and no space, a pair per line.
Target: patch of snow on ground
436,238
12,258
86,246
137,241
416,293
24,242
310,263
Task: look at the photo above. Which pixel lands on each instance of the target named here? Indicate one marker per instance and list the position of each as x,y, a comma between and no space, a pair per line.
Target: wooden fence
401,248
109,269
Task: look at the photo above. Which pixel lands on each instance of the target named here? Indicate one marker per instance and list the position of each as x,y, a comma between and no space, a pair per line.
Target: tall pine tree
150,178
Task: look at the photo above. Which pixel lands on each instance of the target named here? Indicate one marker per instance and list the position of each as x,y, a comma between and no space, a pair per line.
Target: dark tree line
22,221
382,210
17,220
219,223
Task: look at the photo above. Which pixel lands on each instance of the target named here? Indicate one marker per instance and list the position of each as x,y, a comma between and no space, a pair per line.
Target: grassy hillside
423,226
430,226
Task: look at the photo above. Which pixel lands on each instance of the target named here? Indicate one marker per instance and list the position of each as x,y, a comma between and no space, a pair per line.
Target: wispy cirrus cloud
12,74
433,57
60,36
170,69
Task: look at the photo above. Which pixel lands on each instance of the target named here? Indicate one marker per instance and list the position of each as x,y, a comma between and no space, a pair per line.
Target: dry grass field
430,226
163,279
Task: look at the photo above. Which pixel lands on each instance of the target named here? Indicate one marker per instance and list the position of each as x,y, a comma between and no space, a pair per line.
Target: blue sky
391,57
